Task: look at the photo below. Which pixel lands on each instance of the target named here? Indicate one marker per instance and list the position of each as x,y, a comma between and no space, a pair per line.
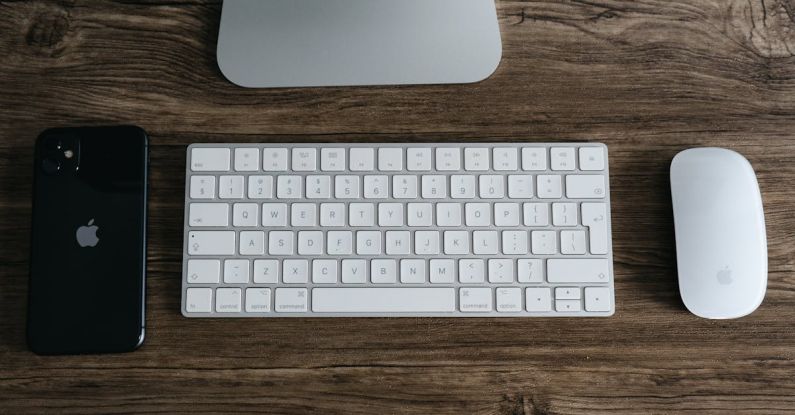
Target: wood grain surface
647,77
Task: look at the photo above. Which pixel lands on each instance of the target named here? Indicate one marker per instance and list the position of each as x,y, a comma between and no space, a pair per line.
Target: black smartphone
88,253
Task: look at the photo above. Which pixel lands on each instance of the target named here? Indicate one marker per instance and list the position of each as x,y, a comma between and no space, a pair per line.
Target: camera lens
50,166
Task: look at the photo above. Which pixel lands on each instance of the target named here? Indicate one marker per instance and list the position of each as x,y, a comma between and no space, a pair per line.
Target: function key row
364,159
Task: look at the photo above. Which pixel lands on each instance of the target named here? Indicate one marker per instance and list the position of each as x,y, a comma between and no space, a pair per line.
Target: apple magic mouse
721,244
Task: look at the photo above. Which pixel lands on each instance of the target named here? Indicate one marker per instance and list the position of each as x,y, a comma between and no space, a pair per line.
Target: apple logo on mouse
725,276
87,235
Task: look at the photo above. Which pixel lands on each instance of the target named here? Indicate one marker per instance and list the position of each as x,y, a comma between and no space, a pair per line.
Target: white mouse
721,244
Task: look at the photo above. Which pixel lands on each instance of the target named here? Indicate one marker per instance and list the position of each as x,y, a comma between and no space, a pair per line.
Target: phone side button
199,300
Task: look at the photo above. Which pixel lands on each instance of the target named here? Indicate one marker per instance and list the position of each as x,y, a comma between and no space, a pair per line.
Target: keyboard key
534,159
462,187
536,214
252,243
339,242
549,186
567,293
236,271
506,159
368,243
362,159
448,159
593,270
562,158
448,214
304,159
478,214
564,214
258,300
476,159
228,300
412,271
456,242
585,187
260,187
230,187
289,187
332,159
538,300
506,214
199,300
390,214
354,271
310,243
592,158
520,186
245,214
376,187
296,271
390,159
208,214
383,271
597,299
303,214
492,186
404,187
318,187
210,159
485,242
418,159
471,271
347,187
530,271
246,159
204,271
434,187
426,242
515,242
361,214
544,242
442,271
572,242
383,300
475,300
281,243
568,306
266,271
274,214
202,187
500,271
509,300
324,271
291,300
211,243
420,214
398,243
332,214
594,216
274,159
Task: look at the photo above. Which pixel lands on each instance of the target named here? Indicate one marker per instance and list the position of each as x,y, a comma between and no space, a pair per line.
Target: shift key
594,270
211,243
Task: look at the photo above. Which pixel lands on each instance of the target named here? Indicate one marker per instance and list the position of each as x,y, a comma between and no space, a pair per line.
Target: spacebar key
383,300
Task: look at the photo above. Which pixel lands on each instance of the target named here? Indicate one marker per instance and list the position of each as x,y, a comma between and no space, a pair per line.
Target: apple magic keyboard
365,230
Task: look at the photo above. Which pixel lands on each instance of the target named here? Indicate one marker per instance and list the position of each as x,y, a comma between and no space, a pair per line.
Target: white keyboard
451,230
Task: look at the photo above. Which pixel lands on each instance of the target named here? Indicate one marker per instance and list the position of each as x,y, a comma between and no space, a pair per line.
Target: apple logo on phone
87,235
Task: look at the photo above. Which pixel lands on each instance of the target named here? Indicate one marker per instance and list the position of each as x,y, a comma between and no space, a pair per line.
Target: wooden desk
649,78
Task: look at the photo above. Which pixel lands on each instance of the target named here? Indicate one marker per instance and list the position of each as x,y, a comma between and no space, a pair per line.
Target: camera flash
68,154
